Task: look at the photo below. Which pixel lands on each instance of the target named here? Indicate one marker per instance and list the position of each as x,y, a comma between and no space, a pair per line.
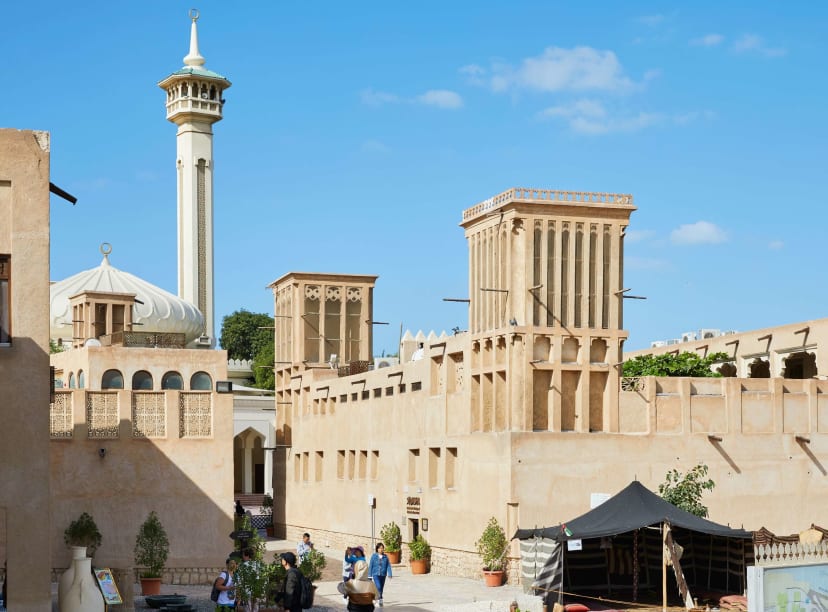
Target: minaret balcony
191,105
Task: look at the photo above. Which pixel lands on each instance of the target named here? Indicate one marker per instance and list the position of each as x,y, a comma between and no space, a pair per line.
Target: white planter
83,594
67,577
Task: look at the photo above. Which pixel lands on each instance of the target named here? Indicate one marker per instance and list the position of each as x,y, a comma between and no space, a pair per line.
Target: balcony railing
145,339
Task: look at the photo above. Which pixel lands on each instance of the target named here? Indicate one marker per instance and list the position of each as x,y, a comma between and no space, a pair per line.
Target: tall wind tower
194,104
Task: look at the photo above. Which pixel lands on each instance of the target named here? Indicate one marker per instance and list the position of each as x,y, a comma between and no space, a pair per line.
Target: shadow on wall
120,479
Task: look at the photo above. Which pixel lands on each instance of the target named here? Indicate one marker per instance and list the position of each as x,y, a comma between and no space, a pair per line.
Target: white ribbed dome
160,311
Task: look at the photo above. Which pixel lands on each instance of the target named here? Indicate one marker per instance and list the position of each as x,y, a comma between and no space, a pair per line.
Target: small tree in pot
83,532
492,550
152,547
419,554
392,539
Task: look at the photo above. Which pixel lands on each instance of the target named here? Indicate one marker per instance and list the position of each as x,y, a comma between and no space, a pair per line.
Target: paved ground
403,593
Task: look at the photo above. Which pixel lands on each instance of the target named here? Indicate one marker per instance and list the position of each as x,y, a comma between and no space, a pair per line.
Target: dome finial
194,58
106,249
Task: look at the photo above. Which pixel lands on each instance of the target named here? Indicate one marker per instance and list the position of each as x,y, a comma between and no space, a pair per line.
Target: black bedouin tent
620,548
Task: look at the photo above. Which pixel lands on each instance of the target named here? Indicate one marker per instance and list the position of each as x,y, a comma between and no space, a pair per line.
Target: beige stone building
24,368
524,415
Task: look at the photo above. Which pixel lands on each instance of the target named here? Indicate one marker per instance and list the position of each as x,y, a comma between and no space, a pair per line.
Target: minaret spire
194,58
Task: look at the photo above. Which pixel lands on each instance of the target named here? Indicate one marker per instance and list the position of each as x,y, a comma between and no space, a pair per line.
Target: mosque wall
121,454
24,368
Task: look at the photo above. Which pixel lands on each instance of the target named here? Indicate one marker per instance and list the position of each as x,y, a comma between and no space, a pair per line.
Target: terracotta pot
419,566
493,579
393,557
150,586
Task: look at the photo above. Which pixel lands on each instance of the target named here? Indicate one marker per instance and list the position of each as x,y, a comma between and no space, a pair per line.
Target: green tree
263,367
682,364
245,333
54,347
685,491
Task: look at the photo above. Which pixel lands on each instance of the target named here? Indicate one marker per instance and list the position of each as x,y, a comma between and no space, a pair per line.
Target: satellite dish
92,342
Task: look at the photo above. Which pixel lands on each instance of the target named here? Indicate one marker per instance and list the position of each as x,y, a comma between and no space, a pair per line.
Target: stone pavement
403,593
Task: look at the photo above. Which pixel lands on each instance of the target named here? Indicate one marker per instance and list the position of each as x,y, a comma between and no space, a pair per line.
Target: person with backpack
224,588
291,595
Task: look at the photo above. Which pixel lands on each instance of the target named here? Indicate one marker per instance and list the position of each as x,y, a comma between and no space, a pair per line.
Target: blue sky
356,133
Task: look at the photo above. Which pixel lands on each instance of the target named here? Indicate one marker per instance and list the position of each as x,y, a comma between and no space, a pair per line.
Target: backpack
214,594
306,594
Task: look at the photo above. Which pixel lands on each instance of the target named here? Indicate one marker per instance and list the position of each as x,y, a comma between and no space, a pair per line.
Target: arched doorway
249,462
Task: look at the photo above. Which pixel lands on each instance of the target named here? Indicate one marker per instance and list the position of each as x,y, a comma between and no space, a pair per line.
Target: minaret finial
106,249
193,58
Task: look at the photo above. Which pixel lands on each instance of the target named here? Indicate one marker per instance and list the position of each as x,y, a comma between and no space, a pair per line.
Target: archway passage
800,365
249,462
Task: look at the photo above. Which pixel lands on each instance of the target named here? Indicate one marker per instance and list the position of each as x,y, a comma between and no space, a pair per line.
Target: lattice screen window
195,415
60,416
149,415
102,414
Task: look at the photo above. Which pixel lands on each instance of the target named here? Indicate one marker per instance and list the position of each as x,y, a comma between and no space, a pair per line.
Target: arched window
81,380
172,380
201,381
112,379
71,380
142,381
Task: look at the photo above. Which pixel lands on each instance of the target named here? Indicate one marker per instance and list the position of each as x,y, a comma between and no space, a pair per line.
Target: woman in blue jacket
379,569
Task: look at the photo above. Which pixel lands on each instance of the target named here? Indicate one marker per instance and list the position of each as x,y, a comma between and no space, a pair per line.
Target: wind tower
194,104
546,289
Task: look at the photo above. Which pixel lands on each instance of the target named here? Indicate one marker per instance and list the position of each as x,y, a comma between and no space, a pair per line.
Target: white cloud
690,116
372,97
751,43
557,69
708,40
591,117
651,20
441,98
631,236
776,245
654,73
700,232
472,70
374,146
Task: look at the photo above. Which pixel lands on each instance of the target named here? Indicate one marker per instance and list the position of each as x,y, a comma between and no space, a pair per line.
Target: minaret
194,104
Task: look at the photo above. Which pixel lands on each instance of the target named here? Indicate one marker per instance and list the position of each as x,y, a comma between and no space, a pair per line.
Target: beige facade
25,538
137,428
523,417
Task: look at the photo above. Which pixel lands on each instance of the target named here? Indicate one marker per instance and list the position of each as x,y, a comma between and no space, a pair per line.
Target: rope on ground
580,596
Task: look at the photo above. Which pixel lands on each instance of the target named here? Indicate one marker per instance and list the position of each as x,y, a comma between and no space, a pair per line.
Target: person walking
226,586
291,594
379,569
361,591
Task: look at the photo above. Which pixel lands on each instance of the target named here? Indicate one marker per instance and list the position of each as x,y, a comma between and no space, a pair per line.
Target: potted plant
419,554
83,537
152,547
392,539
253,579
83,532
492,547
267,508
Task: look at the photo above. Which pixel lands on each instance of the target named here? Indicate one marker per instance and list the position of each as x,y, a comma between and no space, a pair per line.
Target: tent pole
663,568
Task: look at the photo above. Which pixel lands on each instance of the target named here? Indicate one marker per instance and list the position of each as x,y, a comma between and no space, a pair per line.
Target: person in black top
291,594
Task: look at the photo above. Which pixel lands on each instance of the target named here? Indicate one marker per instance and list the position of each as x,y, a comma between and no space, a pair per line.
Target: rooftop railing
145,339
547,195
